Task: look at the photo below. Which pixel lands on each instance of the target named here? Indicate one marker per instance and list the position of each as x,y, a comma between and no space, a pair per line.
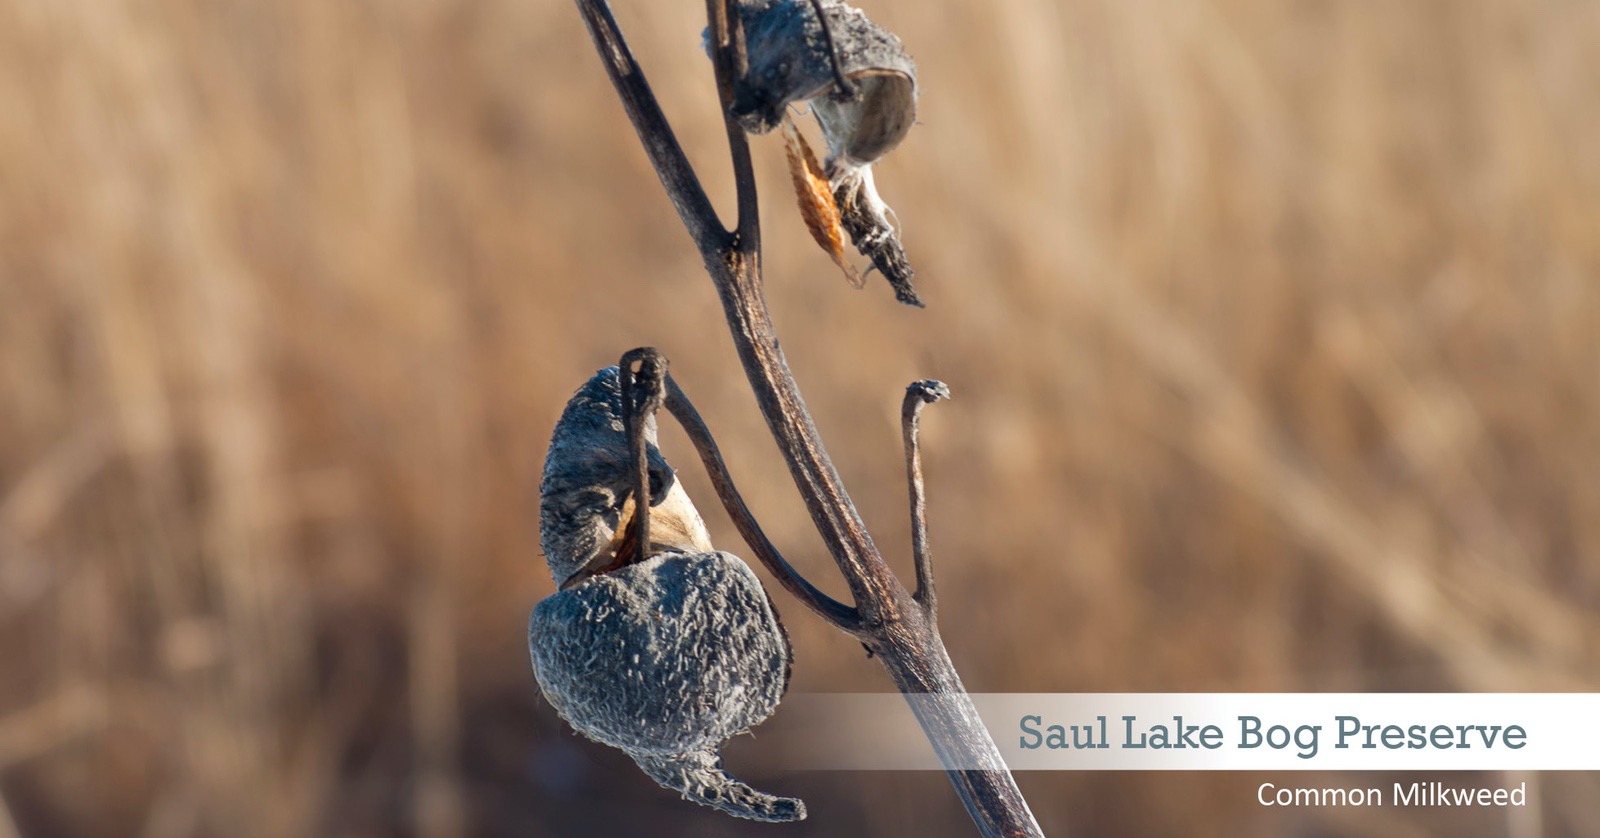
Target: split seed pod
790,61
673,652
792,55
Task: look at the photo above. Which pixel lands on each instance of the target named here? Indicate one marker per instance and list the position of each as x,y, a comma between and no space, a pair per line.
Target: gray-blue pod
664,659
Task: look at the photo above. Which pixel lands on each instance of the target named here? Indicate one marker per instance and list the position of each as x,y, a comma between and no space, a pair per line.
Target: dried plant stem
844,83
886,618
641,397
919,394
830,609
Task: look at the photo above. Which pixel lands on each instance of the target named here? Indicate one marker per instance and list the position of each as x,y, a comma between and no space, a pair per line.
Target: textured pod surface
673,654
666,659
789,62
585,483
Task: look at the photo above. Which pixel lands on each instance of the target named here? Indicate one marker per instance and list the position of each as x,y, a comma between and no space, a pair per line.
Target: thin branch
642,393
830,609
729,61
736,271
845,85
666,155
920,393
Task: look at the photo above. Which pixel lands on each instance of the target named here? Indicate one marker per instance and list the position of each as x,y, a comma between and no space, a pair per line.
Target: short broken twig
919,394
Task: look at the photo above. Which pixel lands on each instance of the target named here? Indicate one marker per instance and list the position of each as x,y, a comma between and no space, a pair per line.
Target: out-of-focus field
1274,329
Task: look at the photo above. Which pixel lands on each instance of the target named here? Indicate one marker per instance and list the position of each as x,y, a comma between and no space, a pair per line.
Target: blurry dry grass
1274,328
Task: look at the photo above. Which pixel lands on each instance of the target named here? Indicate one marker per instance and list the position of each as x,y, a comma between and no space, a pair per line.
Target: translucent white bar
1210,731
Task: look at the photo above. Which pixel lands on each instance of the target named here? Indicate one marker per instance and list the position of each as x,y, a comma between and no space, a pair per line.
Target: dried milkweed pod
663,650
862,87
792,57
665,660
585,498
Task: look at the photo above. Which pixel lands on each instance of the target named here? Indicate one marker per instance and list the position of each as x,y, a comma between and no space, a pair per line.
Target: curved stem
642,393
830,609
843,82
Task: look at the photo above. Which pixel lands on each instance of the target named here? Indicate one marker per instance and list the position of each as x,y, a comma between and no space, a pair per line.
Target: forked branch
892,623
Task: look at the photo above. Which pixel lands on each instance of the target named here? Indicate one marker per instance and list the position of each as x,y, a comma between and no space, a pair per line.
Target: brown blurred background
1273,327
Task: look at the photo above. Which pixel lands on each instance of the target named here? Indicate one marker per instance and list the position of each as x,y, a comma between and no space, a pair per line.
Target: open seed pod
667,653
586,492
791,59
